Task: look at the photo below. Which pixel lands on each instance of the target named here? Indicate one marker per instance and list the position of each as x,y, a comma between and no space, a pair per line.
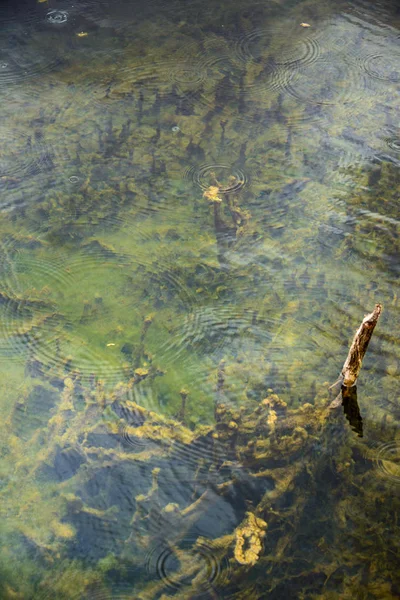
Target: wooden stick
358,348
352,365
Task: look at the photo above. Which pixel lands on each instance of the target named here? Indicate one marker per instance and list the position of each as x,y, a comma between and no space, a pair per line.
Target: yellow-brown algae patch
272,419
62,530
249,540
141,373
211,194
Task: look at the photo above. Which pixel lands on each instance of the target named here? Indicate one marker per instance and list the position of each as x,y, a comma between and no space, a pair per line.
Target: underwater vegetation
198,206
142,505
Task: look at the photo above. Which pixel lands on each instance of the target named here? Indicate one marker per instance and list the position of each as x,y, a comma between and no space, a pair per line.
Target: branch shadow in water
351,409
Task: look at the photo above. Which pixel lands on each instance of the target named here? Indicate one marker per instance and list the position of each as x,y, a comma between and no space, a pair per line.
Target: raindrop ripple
199,556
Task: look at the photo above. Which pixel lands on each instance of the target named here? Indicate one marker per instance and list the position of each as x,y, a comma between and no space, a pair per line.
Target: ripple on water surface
84,303
32,289
51,305
196,456
211,331
328,81
21,155
257,45
56,16
229,179
187,81
60,13
387,460
382,66
394,143
26,59
191,565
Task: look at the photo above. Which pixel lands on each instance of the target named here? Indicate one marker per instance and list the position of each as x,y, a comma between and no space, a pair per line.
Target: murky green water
199,203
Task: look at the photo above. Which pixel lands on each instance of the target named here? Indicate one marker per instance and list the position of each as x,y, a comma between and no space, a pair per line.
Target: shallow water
199,204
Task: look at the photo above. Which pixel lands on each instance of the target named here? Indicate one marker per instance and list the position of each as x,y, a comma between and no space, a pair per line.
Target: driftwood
358,348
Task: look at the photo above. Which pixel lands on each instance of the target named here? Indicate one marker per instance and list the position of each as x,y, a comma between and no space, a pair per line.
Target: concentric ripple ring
387,460
376,66
229,179
195,560
303,52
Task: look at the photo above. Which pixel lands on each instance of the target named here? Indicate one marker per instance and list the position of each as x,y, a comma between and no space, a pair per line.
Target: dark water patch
193,564
65,464
102,440
127,21
231,21
33,412
22,155
113,485
25,60
223,513
379,18
96,536
199,455
180,485
21,12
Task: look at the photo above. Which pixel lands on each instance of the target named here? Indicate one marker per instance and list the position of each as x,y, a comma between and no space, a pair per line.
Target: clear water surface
199,203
